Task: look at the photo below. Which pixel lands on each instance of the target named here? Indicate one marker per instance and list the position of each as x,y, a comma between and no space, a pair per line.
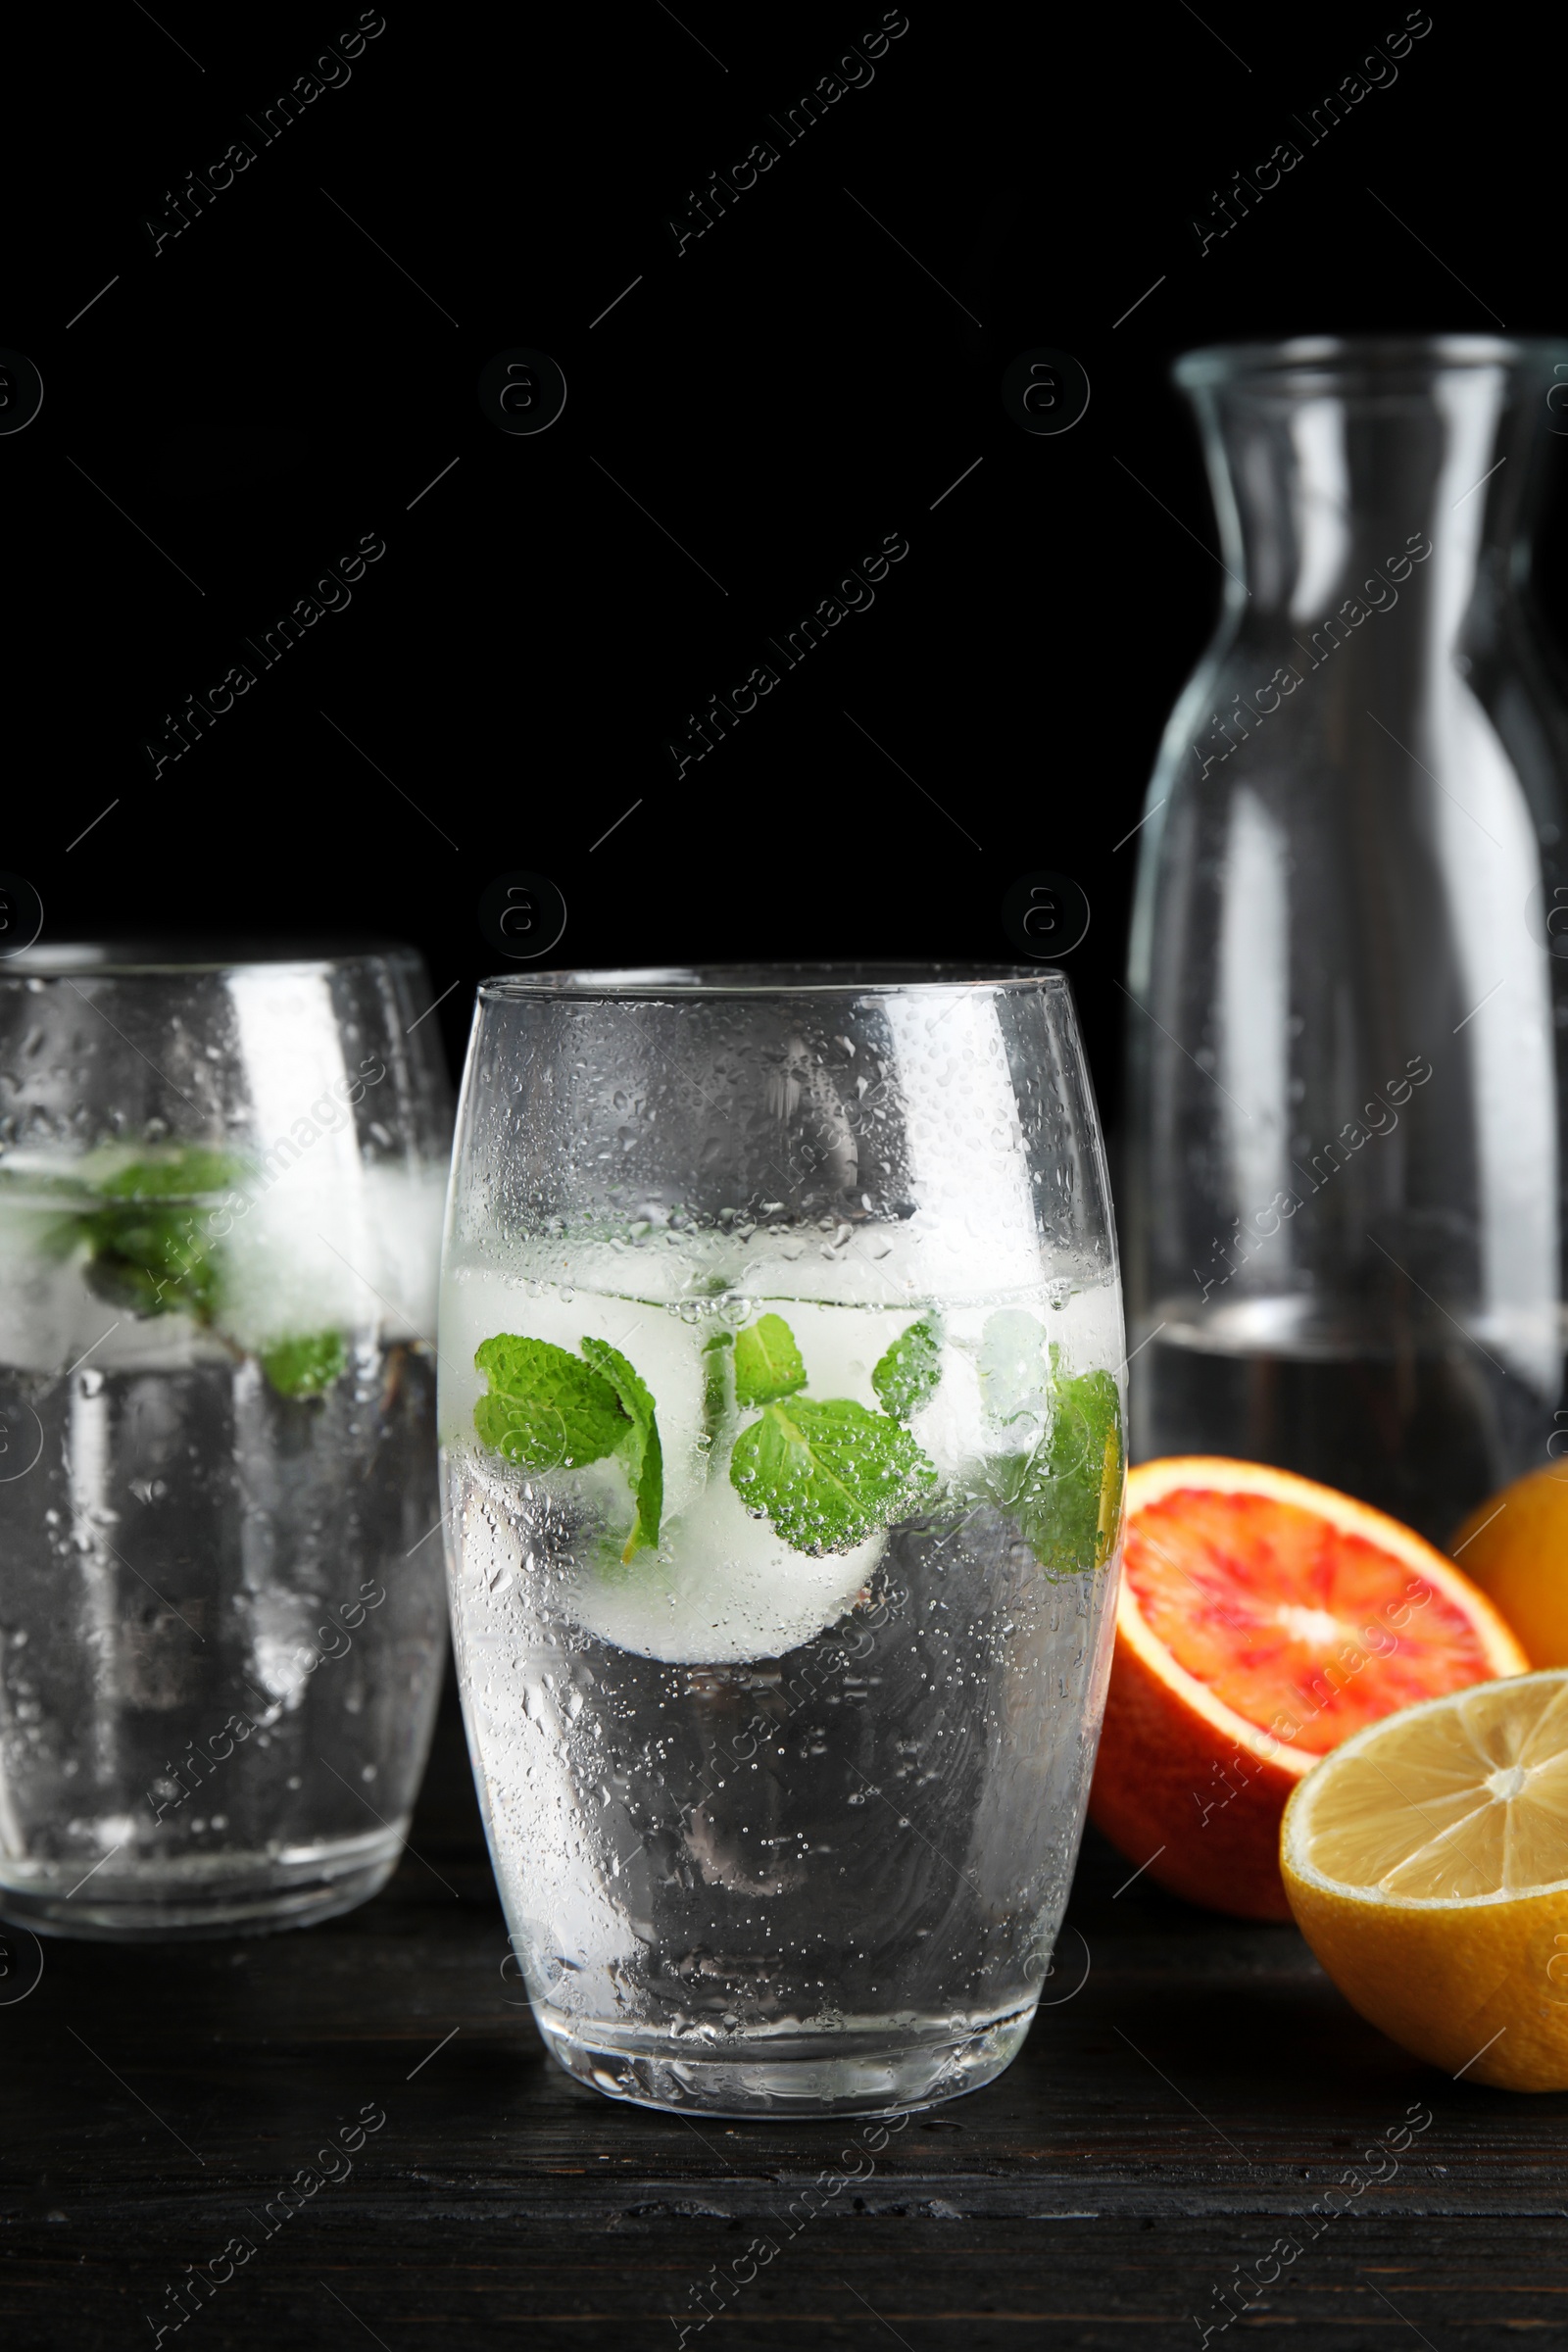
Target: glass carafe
1346,1163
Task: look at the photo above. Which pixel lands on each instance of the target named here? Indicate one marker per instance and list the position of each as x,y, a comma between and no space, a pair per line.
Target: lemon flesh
1453,1802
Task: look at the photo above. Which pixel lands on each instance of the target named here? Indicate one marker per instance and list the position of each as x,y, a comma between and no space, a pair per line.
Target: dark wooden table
1174,2126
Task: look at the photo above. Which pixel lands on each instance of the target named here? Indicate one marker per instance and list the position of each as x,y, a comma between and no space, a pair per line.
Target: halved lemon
1426,1861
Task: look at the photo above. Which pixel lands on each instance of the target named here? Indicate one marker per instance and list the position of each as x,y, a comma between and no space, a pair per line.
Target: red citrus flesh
1306,1628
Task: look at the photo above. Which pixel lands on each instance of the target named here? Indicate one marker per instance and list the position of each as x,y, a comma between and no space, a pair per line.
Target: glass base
206,1895
869,2067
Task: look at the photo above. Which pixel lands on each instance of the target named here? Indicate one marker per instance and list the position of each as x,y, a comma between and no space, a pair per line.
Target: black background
798,382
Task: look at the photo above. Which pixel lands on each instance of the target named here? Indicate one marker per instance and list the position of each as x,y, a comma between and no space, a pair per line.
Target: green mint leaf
910,1371
1067,1495
145,1253
550,1410
827,1475
715,1386
152,1261
546,1409
189,1170
640,1446
767,1362
304,1367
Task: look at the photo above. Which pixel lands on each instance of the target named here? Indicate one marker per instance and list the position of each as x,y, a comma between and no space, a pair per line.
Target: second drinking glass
221,1621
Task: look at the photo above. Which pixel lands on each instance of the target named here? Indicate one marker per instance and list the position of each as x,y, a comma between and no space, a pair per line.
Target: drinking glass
220,1630
781,1358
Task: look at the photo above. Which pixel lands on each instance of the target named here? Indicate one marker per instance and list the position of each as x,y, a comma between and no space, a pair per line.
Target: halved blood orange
1262,1619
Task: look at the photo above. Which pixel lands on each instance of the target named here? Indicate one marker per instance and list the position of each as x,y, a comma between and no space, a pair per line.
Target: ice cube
723,1587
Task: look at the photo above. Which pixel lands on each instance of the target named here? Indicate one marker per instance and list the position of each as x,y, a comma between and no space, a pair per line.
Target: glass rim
888,978
1366,357
170,957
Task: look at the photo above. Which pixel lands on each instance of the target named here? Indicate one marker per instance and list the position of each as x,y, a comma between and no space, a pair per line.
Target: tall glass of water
220,1606
781,1416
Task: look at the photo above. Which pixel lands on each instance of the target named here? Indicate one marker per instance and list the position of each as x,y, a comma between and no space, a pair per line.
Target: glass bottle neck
1414,490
